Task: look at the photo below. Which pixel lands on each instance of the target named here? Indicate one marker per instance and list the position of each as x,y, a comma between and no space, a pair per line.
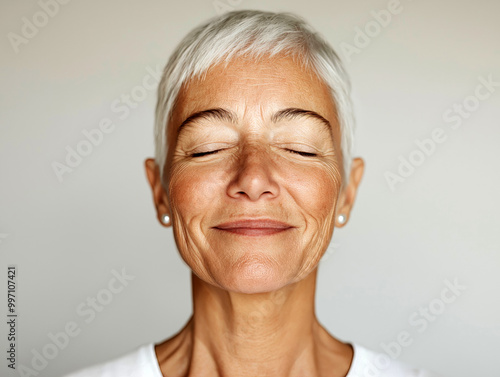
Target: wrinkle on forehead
280,77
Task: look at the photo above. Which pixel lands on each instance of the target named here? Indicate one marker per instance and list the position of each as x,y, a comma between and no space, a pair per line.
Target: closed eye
301,153
305,154
201,154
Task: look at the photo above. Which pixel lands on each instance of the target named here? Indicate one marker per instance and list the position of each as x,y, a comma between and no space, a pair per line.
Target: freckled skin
254,174
277,184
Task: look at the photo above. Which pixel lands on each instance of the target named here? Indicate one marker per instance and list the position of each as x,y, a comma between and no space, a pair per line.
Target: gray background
393,257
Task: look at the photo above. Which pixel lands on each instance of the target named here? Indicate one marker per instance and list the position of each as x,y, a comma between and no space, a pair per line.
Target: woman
253,171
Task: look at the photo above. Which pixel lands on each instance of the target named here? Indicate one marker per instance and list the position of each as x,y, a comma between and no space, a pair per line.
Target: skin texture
253,296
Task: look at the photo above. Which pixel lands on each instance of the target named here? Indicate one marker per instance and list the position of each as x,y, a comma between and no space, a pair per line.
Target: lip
254,227
264,224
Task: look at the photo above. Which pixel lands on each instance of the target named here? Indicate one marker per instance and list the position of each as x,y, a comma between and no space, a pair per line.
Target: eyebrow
293,112
218,113
288,113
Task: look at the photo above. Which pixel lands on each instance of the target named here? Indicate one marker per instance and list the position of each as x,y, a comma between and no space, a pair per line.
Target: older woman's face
251,158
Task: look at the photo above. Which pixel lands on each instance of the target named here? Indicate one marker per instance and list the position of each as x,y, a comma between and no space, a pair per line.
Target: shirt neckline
150,350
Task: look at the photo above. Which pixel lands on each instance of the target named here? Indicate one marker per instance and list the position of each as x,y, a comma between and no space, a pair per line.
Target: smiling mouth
250,227
254,231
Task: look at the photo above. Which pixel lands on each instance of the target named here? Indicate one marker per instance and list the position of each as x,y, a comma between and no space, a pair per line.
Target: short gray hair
253,33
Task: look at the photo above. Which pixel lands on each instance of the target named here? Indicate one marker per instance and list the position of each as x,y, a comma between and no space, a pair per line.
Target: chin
255,275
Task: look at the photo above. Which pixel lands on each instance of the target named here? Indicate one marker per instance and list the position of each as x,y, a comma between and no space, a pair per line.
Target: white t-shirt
142,362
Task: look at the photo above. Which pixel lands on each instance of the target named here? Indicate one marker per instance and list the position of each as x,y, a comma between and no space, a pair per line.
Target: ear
159,195
348,195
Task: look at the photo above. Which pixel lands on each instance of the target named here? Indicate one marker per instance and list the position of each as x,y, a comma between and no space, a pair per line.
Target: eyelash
201,154
304,154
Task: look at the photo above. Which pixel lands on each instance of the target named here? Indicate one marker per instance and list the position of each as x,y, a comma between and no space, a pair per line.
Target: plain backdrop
388,266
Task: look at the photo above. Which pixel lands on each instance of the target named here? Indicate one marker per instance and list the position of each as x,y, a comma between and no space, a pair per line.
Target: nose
254,175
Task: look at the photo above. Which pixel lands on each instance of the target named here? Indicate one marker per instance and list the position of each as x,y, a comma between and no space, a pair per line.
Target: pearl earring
341,219
165,219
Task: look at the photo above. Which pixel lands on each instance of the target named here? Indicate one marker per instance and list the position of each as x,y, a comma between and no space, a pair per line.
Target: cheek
315,189
193,189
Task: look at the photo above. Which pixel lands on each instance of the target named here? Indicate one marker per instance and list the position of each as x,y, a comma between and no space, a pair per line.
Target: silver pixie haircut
256,34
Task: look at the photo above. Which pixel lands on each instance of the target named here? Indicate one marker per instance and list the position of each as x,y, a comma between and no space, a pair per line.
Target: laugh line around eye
304,154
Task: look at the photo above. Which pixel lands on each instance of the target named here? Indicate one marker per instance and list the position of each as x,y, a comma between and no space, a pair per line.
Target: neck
264,334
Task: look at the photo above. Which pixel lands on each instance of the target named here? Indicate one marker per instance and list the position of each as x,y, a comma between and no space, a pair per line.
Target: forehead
255,88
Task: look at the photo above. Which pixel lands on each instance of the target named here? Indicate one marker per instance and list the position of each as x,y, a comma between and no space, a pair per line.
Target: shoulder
141,362
367,363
